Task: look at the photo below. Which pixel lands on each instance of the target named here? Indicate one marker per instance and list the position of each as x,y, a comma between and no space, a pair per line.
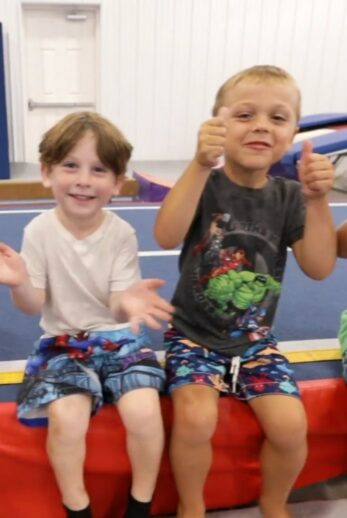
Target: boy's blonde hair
112,148
266,74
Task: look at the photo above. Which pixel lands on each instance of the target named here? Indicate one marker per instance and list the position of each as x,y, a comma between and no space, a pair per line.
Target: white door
61,68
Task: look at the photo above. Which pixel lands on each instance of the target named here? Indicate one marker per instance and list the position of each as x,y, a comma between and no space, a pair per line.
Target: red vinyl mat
28,488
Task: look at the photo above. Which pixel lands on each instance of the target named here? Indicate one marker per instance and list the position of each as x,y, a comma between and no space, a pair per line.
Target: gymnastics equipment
331,143
28,487
323,120
320,128
151,188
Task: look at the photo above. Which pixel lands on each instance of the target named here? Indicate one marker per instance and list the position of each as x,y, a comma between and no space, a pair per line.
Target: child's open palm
12,266
142,304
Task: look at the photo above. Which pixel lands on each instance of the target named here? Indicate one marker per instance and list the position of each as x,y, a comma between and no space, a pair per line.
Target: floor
332,503
317,509
326,500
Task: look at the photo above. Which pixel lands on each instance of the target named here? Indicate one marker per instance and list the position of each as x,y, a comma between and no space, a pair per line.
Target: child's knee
141,412
67,422
195,422
289,433
147,420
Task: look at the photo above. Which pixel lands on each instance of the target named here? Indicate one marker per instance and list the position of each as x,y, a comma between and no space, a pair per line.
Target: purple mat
150,187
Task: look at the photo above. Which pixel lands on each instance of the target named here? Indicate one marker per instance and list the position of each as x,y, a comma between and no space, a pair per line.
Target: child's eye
100,169
69,165
279,117
243,115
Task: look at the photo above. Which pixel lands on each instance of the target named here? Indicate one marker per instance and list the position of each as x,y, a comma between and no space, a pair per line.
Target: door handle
32,105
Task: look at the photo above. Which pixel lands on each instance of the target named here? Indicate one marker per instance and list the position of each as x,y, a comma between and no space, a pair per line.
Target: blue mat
307,310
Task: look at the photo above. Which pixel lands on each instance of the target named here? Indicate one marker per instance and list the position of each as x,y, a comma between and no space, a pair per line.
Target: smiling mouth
258,145
82,197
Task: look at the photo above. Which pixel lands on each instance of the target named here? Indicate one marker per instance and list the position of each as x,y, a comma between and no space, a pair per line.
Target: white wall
163,60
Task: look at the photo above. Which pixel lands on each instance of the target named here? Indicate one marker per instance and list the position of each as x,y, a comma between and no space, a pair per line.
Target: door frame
40,6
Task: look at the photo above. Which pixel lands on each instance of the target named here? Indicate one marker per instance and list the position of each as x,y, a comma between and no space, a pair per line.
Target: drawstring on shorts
234,371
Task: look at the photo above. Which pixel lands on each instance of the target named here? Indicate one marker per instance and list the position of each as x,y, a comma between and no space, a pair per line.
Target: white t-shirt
79,274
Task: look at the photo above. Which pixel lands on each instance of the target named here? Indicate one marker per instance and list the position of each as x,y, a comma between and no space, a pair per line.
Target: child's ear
120,180
45,175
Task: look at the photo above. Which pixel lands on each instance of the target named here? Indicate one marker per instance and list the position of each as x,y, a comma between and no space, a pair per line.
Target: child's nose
261,123
83,176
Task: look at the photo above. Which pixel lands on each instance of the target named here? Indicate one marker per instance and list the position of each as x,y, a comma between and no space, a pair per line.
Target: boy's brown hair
266,74
112,148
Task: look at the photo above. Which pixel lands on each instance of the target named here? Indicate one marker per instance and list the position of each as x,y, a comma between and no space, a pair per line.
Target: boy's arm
342,240
178,209
13,273
140,303
316,251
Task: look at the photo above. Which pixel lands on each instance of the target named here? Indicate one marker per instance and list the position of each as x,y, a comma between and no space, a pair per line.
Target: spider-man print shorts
101,364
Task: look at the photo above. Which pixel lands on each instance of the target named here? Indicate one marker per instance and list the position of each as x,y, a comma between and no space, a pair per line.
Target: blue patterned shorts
102,364
261,370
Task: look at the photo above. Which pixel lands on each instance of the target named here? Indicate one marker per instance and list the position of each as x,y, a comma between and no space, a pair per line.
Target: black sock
83,513
137,509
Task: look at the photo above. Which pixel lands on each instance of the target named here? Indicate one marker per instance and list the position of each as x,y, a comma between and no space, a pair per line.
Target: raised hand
142,304
316,172
212,138
12,267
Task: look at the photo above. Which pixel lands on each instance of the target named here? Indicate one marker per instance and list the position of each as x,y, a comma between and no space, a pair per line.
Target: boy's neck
80,228
255,179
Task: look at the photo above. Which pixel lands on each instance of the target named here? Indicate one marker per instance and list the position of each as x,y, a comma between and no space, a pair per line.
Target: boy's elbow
30,308
166,244
320,274
30,305
165,240
32,311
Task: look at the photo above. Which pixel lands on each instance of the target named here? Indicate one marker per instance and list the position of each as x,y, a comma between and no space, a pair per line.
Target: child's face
81,184
262,124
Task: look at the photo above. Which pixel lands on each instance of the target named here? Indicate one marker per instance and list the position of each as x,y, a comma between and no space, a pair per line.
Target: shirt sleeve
126,268
32,253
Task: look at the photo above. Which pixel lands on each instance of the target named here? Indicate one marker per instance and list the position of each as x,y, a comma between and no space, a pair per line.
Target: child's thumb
306,150
224,113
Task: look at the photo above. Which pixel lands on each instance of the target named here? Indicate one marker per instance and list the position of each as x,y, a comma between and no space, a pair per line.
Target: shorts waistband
84,340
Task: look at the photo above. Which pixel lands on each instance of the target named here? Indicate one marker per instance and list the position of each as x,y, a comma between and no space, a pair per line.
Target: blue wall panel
4,158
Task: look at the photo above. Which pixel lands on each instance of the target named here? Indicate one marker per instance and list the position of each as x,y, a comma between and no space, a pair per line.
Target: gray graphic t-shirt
233,260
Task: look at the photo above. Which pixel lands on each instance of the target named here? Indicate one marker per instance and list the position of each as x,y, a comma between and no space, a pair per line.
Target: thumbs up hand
316,172
212,139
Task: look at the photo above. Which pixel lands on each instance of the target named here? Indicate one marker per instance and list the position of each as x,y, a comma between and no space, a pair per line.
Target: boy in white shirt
79,268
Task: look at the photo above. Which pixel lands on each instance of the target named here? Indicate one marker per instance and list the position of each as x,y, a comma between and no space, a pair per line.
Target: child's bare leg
195,418
141,414
68,419
284,450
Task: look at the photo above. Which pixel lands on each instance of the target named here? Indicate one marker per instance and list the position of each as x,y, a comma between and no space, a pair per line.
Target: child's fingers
216,155
152,283
316,169
212,138
135,325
